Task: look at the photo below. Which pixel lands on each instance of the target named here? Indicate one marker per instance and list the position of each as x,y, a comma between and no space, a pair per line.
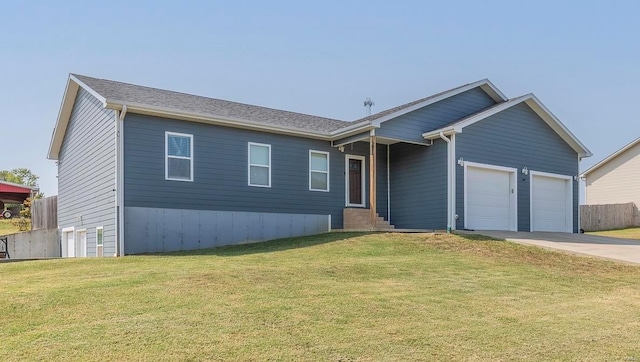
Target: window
318,171
259,165
99,241
179,156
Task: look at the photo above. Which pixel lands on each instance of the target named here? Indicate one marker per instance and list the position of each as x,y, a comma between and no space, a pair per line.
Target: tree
22,176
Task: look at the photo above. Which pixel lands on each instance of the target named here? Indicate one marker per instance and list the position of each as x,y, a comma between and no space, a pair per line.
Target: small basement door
490,197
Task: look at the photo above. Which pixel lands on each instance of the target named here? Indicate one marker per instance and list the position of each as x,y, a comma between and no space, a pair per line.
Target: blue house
149,170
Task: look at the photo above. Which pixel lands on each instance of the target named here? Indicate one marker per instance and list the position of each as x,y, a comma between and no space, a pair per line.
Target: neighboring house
146,170
11,193
614,180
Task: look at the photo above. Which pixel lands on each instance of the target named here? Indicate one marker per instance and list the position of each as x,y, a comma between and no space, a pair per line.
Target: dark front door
355,181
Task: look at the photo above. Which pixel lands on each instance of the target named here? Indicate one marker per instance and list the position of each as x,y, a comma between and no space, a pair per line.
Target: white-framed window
178,156
259,165
100,241
318,170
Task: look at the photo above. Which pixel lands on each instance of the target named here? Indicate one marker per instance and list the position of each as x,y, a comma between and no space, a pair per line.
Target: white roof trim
64,114
70,92
610,157
485,84
89,89
534,103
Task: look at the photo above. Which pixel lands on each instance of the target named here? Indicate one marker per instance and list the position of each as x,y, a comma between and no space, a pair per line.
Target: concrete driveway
626,250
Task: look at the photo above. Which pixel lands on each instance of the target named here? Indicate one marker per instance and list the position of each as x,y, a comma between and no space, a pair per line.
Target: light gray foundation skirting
152,230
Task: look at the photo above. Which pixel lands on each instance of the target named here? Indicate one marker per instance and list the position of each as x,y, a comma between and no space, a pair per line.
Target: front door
355,180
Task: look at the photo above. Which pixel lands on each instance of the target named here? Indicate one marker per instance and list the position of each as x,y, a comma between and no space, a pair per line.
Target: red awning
12,188
12,193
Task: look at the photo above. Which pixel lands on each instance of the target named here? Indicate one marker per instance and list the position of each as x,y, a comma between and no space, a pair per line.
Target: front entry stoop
360,219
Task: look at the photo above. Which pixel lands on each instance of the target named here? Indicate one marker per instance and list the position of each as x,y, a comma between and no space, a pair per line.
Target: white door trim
569,198
64,245
513,198
81,246
362,179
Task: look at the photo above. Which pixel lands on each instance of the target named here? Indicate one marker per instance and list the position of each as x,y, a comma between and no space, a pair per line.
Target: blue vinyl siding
220,170
410,127
419,186
516,137
86,172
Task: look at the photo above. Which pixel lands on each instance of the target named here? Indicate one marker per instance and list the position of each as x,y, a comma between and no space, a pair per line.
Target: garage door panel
550,204
488,199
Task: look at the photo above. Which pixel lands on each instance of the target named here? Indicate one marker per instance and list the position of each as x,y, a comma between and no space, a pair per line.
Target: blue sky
581,58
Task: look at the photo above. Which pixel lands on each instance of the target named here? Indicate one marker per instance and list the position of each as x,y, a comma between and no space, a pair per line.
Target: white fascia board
556,125
89,89
224,121
491,111
64,113
534,103
610,157
447,131
492,90
350,129
485,84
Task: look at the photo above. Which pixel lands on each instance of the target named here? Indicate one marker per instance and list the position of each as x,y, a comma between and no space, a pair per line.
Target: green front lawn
337,297
7,227
631,233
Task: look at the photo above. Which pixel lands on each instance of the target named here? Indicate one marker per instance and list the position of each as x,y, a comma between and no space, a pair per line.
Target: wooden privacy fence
608,217
44,213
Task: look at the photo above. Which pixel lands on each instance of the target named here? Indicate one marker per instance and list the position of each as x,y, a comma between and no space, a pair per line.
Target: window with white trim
259,165
318,171
178,156
100,241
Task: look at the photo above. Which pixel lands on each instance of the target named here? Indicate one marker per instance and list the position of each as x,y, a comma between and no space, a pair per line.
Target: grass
7,227
338,297
631,233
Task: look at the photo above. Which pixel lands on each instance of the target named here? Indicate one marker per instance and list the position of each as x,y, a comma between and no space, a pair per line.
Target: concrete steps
360,219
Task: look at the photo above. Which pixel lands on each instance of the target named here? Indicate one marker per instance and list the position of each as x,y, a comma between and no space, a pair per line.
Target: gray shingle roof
119,92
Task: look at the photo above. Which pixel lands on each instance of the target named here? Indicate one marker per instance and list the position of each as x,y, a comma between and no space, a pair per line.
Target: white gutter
449,208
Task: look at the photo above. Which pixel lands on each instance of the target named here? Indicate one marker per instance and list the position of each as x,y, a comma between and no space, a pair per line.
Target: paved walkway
626,250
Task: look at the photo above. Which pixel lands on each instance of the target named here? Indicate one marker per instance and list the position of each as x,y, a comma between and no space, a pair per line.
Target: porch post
372,177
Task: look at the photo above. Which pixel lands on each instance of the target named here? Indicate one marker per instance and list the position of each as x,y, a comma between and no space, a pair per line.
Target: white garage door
551,203
489,199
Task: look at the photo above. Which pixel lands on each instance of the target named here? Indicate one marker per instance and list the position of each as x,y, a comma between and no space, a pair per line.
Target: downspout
116,191
448,180
452,164
585,197
388,188
120,182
